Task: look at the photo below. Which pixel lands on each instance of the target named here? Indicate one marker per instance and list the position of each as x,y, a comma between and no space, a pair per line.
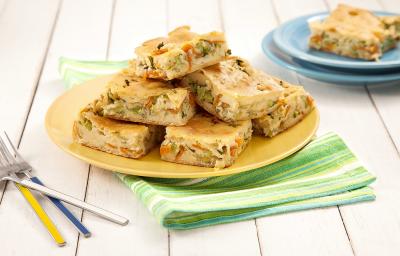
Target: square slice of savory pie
351,32
232,90
206,141
134,99
292,107
180,53
114,136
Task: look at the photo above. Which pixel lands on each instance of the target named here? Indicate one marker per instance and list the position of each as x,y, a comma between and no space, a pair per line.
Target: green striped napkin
324,173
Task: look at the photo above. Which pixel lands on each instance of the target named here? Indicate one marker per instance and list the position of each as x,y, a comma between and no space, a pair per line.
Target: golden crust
115,125
176,38
186,162
205,125
236,76
124,153
139,87
354,22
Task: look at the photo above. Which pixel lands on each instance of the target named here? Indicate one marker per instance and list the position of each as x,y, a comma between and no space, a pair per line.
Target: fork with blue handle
60,206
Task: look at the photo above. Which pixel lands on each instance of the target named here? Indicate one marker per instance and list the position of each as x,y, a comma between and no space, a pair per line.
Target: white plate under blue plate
320,72
292,38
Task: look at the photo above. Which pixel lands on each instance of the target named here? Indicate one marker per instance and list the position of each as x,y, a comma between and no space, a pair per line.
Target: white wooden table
34,34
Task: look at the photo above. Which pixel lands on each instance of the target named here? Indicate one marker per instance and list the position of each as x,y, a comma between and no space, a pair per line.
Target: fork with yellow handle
42,215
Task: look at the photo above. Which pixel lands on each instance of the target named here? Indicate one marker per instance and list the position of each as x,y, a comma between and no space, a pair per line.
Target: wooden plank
390,5
350,116
386,98
231,239
2,6
143,235
129,30
21,62
355,119
81,31
23,47
202,17
368,4
373,228
287,9
314,232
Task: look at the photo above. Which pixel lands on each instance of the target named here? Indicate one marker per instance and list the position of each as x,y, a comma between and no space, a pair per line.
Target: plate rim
345,64
342,79
211,171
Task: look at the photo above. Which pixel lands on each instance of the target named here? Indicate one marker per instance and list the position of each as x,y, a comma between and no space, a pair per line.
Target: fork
59,205
20,165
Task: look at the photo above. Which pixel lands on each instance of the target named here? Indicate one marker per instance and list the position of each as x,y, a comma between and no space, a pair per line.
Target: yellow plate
260,151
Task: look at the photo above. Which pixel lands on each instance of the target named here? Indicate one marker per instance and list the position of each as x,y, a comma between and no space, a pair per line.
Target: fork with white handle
8,168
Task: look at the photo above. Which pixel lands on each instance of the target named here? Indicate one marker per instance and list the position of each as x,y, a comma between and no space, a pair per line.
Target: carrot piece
189,59
149,102
165,149
197,145
180,153
217,41
233,150
153,74
239,141
316,39
175,111
373,49
310,100
192,100
217,99
160,51
328,46
127,151
187,47
111,146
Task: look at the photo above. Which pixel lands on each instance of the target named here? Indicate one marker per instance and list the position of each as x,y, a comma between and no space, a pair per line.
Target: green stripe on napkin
75,72
324,173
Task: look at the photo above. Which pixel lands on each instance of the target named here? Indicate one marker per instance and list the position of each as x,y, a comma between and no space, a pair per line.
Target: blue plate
292,38
320,72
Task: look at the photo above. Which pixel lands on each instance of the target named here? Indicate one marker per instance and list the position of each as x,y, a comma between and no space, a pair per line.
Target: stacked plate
287,46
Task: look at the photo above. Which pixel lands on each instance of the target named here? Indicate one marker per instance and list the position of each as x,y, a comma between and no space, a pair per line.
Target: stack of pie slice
188,93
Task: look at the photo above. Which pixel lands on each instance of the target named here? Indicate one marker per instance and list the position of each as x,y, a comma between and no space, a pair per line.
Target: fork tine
6,152
13,147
